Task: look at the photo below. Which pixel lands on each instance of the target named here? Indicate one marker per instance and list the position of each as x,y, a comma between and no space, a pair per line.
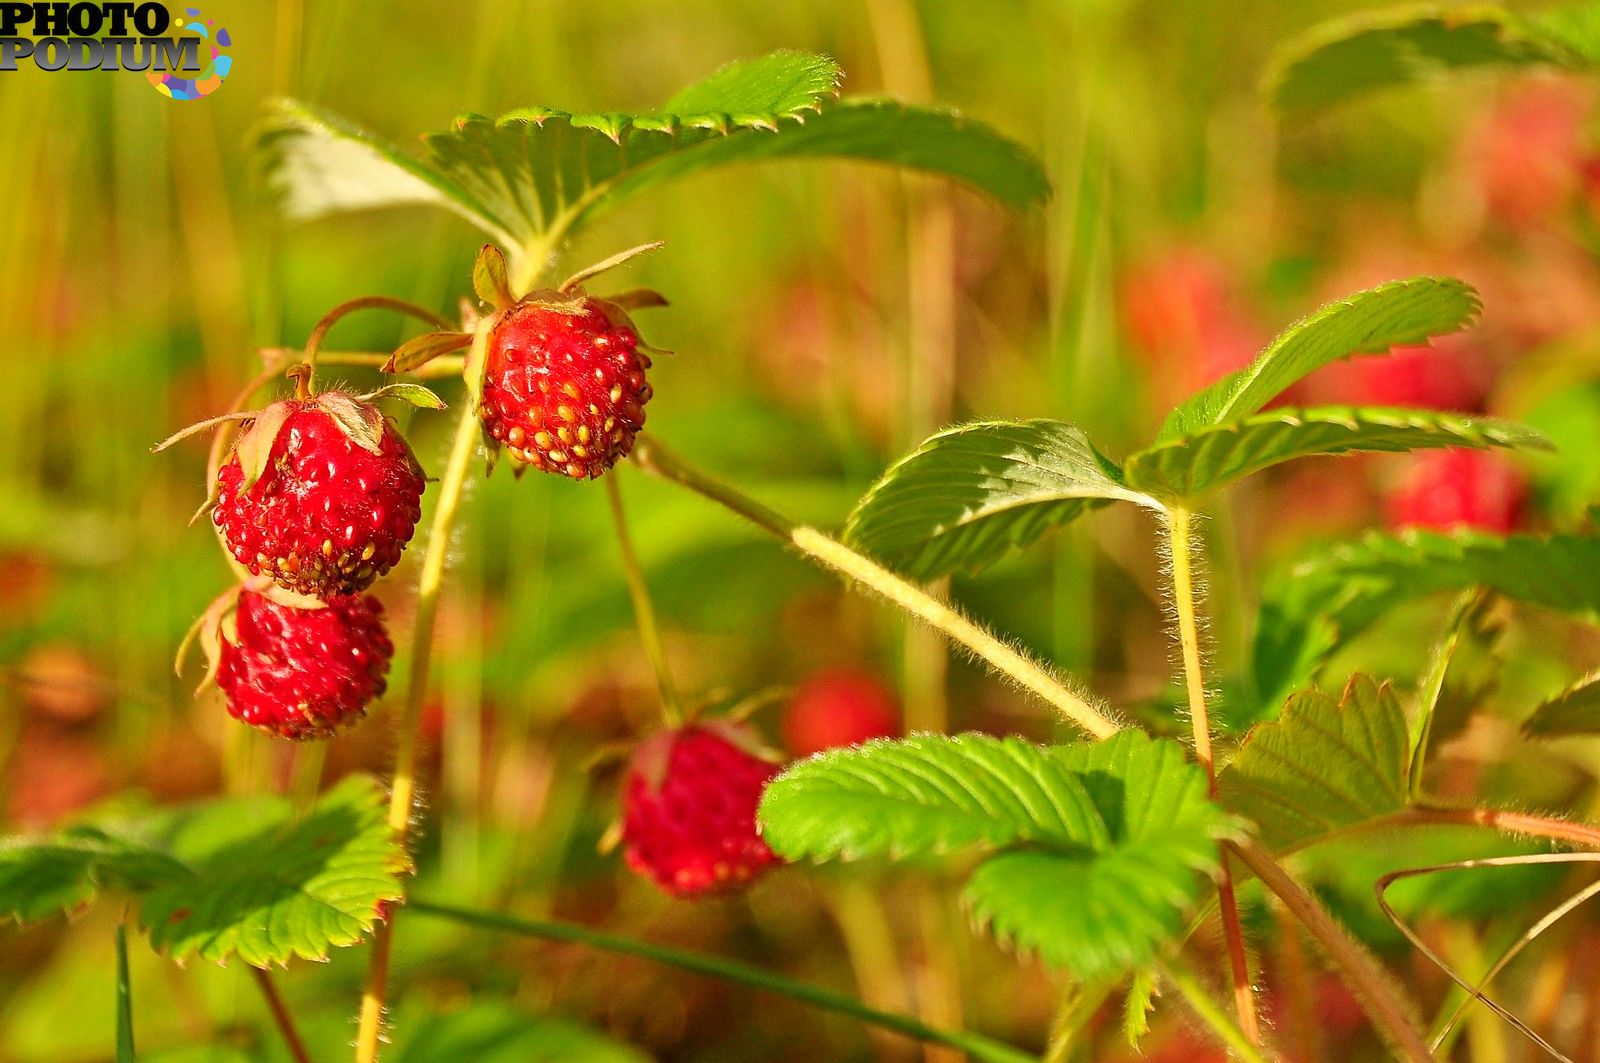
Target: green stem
1383,1000
369,302
1186,604
644,612
978,1046
125,1050
1241,1044
402,793
1079,1004
1027,673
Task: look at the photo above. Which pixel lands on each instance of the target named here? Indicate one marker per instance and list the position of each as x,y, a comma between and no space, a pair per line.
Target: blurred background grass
824,318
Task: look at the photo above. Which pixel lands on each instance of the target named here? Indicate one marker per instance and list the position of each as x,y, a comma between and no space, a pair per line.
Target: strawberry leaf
1350,57
242,877
539,172
968,495
412,394
1323,766
1333,593
1210,457
1120,827
1574,711
1369,322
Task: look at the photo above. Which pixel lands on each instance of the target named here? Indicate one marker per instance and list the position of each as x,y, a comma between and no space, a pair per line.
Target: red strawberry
843,707
564,384
689,811
321,495
1459,488
1183,312
1445,376
302,673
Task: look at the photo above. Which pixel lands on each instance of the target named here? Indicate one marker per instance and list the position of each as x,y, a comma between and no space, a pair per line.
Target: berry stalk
1027,673
402,792
1185,605
644,612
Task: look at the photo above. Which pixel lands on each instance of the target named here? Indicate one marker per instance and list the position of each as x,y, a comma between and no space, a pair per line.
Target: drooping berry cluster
303,673
564,385
317,499
328,513
689,811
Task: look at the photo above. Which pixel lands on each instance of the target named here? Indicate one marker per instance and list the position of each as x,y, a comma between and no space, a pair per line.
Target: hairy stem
1027,673
1238,1041
1560,830
644,612
1186,605
402,792
280,1016
978,1046
1380,997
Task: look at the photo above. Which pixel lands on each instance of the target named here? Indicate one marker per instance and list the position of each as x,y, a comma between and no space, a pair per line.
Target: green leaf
1323,766
498,1033
969,494
537,171
1137,1007
1574,711
411,394
490,280
1369,322
1334,592
1211,457
1350,57
1106,838
926,794
240,876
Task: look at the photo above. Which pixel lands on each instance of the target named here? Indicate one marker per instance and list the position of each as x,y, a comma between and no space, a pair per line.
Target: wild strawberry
1459,488
320,494
689,811
564,384
1442,376
843,707
302,673
1183,312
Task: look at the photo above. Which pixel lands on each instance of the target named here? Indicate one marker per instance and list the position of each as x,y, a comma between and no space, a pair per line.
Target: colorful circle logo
174,83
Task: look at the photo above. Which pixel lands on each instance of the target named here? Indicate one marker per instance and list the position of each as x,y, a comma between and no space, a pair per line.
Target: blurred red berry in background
1459,488
841,707
1184,313
1527,153
1449,374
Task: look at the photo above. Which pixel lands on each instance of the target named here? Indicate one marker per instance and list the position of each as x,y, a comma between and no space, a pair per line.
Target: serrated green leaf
1574,711
1137,1007
969,494
239,877
1335,592
784,82
1323,766
1353,56
1211,457
926,794
498,1033
1106,838
538,170
1369,322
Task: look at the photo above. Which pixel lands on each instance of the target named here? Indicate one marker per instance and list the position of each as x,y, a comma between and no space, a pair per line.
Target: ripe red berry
302,673
843,707
689,811
1459,488
564,385
320,494
1442,376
